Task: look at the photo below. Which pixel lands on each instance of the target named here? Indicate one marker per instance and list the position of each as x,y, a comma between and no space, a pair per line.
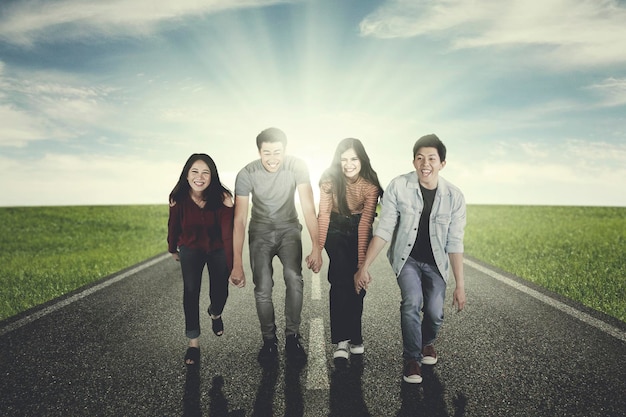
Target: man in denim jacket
423,216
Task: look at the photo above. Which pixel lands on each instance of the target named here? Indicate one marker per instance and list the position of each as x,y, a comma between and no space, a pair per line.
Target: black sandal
217,325
192,357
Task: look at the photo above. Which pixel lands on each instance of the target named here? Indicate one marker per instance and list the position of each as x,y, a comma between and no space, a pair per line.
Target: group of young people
422,216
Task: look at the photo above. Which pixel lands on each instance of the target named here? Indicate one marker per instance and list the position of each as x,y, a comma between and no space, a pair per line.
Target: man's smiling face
428,164
272,154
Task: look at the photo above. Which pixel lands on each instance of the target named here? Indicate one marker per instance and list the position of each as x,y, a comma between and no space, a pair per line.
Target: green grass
46,252
49,251
578,252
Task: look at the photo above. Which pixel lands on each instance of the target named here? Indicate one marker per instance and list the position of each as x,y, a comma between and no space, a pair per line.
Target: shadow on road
265,393
218,405
427,398
294,401
346,390
191,396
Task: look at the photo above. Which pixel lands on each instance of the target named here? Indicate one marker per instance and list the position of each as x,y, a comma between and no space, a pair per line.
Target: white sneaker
357,349
342,350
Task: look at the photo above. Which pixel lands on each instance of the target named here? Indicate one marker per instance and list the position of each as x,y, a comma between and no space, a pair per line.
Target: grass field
49,251
578,252
46,252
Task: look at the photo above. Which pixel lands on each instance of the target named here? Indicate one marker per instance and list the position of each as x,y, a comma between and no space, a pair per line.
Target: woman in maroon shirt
200,232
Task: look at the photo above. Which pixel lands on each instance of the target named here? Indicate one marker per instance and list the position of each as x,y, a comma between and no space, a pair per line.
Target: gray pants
286,243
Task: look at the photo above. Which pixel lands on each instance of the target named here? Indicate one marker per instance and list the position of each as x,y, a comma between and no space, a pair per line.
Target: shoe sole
413,379
429,360
341,354
357,350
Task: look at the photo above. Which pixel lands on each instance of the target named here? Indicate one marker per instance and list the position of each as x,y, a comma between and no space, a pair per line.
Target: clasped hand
314,261
237,277
362,279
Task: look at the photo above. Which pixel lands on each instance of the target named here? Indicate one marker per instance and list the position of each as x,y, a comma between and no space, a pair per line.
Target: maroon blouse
196,228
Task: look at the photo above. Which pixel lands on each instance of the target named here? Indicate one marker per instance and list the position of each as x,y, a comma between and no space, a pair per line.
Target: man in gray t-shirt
275,230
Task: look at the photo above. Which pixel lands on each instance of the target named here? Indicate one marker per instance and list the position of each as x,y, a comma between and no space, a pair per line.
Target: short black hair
430,141
271,134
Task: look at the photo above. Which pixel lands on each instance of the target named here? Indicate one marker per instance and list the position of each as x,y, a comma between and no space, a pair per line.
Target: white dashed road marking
317,371
316,292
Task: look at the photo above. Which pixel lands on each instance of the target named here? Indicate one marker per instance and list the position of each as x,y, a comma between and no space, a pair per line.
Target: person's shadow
346,389
191,395
294,402
427,398
218,405
263,403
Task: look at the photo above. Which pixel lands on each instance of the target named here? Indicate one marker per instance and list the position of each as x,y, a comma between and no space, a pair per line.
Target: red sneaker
429,356
412,372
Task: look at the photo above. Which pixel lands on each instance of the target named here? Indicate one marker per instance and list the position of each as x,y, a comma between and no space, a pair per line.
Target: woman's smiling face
199,176
350,164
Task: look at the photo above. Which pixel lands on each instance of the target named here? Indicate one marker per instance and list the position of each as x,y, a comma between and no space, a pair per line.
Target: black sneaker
269,351
293,348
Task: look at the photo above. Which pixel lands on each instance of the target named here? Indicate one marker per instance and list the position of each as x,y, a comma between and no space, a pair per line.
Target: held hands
314,261
237,277
362,278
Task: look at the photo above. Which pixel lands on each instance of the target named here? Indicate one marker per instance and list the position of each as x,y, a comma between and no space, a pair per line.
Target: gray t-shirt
273,193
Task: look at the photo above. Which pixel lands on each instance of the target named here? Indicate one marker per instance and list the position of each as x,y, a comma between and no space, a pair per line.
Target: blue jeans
266,242
422,289
192,263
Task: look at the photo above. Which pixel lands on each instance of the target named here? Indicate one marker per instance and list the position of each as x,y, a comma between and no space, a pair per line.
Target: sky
102,102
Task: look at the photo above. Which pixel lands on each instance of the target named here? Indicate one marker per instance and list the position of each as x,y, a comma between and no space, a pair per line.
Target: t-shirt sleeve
243,183
301,172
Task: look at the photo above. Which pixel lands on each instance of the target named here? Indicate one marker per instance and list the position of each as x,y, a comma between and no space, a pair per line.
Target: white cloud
613,91
18,128
58,179
578,173
598,155
24,22
38,105
564,32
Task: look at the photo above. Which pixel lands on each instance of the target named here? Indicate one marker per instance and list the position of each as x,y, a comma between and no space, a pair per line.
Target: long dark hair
335,175
213,194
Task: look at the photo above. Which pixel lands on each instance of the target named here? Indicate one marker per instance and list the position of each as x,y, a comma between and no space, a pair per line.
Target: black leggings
192,262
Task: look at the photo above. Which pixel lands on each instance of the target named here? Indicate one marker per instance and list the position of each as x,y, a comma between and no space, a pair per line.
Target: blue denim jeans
266,242
192,263
422,289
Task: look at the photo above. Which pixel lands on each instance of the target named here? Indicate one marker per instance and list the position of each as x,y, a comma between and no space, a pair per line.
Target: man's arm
362,278
314,260
456,261
237,276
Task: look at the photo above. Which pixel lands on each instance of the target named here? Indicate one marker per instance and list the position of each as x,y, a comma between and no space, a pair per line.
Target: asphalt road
117,350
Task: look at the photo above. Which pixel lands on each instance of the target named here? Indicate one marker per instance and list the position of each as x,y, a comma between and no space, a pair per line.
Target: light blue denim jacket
402,205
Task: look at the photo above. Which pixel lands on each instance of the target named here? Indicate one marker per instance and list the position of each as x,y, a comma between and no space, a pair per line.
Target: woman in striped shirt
349,193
